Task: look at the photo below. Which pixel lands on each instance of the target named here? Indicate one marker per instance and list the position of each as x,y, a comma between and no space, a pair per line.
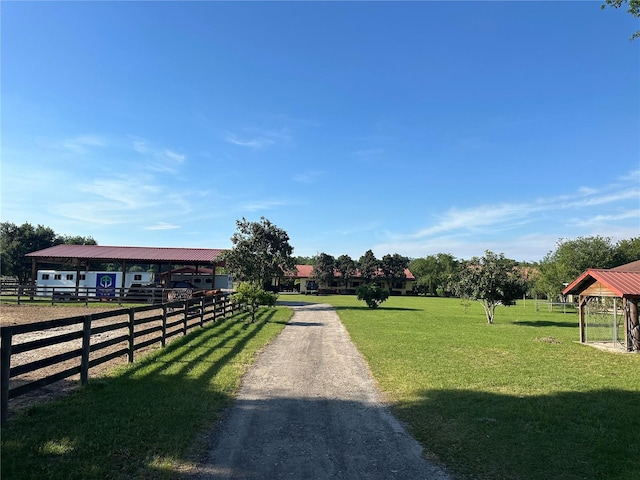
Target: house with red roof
304,282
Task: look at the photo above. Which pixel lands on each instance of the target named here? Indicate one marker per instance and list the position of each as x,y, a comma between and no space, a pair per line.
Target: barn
80,258
608,300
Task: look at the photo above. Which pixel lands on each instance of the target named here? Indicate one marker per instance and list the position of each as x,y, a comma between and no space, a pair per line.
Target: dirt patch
26,314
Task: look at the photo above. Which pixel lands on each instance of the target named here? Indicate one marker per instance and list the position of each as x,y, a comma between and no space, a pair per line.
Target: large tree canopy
368,266
324,268
570,259
492,280
16,241
393,268
346,267
433,273
261,252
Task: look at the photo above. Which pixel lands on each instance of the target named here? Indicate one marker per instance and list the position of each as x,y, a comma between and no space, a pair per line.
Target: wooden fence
15,293
126,330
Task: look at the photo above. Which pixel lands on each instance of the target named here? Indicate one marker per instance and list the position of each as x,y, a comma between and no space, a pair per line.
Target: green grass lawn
519,399
146,419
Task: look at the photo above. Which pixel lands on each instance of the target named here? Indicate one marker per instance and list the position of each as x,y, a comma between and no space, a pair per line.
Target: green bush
251,297
373,294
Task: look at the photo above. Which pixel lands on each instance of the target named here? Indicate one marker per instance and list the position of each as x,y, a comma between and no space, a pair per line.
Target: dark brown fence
136,293
84,342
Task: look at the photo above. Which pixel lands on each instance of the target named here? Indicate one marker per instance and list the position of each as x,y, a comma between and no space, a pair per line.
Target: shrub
251,297
372,294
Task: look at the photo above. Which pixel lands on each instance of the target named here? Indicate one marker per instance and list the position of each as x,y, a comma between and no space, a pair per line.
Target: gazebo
619,283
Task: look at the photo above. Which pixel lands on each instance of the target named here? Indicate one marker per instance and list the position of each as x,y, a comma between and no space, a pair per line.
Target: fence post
5,367
86,348
202,303
131,334
186,315
164,325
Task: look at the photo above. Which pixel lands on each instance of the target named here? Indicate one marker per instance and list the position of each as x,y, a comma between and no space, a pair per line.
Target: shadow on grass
379,309
544,323
494,436
118,426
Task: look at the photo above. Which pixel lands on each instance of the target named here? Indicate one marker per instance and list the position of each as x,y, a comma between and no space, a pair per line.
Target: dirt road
309,409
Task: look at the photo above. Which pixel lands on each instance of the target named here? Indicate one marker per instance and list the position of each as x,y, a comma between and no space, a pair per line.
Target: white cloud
258,205
258,139
162,226
307,177
82,143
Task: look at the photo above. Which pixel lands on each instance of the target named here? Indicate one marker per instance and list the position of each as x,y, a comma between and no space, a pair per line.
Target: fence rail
131,329
14,293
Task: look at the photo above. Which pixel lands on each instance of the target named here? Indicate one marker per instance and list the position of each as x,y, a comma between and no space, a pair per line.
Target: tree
570,259
433,273
251,297
493,280
324,269
78,240
627,251
17,241
261,252
393,269
634,10
300,260
346,267
372,294
369,266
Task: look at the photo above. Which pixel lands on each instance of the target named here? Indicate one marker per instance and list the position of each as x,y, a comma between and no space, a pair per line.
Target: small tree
493,280
251,297
372,294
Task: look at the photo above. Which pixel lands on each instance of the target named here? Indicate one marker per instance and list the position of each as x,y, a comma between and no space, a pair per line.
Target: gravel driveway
309,409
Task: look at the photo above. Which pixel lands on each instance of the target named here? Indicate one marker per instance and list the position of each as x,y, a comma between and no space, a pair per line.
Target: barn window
137,278
207,280
69,276
45,276
197,280
83,276
57,276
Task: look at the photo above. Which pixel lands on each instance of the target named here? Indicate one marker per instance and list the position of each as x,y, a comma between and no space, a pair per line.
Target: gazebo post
633,325
582,301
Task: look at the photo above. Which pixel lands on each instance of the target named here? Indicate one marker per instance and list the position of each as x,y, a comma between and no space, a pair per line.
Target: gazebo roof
619,283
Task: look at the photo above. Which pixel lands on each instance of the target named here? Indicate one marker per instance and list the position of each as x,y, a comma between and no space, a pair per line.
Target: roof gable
620,283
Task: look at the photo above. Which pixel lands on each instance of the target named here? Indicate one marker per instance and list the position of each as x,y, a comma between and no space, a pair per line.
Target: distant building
304,282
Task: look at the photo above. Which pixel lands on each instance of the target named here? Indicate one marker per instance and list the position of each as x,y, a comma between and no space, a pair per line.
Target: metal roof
629,267
65,253
624,284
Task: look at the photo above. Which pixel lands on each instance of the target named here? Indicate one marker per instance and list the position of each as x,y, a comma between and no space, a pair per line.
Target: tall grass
144,420
520,399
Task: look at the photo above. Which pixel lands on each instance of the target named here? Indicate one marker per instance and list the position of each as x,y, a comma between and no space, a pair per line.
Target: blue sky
414,128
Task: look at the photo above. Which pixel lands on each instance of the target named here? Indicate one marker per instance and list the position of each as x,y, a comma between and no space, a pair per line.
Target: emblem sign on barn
106,285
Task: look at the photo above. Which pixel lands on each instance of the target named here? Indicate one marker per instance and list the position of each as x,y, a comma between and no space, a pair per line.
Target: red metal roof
623,284
305,271
144,254
629,267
